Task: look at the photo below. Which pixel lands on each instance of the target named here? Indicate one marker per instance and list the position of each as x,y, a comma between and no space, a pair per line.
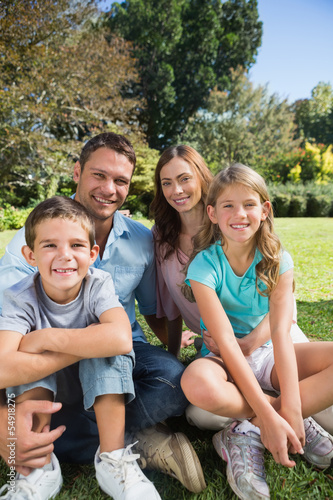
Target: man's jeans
158,395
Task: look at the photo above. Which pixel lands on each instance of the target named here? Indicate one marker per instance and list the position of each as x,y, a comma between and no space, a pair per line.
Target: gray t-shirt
26,306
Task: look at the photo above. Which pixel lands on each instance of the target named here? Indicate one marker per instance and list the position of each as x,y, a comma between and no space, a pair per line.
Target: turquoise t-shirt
242,303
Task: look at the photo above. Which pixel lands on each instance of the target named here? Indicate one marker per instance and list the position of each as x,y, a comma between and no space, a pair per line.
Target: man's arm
13,266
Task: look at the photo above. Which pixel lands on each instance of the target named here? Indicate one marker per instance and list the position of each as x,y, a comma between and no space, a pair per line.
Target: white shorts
262,361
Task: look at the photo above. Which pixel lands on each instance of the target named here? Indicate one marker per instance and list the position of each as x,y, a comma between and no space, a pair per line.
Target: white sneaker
243,451
119,475
318,449
40,484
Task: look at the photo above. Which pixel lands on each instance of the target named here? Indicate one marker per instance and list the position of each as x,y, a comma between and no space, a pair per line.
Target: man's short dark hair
109,140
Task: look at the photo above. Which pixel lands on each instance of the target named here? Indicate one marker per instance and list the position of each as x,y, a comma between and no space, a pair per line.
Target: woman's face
180,185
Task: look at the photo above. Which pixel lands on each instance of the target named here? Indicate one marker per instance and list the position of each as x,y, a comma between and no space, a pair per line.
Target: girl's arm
22,368
276,432
281,313
111,337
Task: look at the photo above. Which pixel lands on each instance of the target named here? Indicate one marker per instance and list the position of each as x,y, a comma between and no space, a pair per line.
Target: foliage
302,200
314,162
245,124
62,78
314,116
12,218
141,190
184,48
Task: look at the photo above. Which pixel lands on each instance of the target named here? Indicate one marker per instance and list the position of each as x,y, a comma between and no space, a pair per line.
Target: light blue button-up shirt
128,257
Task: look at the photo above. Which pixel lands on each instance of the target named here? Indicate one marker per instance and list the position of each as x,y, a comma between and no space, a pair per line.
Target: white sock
246,426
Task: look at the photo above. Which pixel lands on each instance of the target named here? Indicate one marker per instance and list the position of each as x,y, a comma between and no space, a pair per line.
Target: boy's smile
63,255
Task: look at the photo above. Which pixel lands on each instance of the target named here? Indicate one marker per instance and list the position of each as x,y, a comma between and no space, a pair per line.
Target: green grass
309,241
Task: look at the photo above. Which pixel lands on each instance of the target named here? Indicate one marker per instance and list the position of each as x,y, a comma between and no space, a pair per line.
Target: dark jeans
159,396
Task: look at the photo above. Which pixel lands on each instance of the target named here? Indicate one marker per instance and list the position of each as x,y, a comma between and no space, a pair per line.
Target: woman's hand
187,338
210,343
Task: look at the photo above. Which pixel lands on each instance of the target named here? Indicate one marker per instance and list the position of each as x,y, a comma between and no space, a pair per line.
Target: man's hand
31,448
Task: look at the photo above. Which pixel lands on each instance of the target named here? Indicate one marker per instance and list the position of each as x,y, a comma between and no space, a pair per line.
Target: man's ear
77,172
211,213
29,255
266,207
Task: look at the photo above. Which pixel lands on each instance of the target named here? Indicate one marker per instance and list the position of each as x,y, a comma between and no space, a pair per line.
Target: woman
181,184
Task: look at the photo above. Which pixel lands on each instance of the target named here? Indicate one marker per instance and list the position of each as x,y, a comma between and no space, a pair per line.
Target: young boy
71,311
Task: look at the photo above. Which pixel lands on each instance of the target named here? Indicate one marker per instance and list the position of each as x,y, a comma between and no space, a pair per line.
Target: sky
297,47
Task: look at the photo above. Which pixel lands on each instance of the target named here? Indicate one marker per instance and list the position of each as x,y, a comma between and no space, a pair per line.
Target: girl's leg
315,370
206,385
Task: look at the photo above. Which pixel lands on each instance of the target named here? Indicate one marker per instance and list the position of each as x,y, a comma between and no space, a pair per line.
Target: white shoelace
128,475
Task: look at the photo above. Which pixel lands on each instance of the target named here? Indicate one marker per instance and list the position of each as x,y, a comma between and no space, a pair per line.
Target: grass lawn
309,241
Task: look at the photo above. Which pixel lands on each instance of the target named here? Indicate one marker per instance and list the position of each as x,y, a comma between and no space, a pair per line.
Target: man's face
103,184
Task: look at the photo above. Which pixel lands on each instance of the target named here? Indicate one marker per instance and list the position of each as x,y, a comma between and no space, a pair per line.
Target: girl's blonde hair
267,242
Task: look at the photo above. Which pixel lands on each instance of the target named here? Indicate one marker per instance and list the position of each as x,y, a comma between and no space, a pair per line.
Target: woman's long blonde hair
267,242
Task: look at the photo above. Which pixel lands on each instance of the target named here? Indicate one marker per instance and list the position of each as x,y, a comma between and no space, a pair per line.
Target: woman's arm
111,337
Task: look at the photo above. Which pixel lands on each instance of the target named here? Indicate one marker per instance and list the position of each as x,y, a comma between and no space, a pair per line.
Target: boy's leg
46,482
108,384
110,418
37,394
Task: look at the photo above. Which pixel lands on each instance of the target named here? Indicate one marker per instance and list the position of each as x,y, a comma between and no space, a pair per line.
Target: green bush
319,206
281,202
297,206
13,218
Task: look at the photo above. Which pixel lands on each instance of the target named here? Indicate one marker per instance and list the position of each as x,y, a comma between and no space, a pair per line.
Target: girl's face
238,212
180,185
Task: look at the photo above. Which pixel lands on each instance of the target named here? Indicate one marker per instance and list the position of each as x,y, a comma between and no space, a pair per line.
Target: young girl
237,274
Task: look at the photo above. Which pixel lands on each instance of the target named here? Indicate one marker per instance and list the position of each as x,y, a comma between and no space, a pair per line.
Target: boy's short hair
58,207
109,140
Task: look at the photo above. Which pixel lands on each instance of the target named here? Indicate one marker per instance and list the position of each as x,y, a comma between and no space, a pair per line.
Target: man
103,174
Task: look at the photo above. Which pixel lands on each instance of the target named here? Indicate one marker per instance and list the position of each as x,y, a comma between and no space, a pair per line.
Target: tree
314,116
62,78
245,124
184,48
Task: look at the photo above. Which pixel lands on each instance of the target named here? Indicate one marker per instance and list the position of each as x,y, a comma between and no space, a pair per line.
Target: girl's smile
238,212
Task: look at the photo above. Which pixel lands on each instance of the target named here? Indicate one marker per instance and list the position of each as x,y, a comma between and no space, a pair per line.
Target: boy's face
63,255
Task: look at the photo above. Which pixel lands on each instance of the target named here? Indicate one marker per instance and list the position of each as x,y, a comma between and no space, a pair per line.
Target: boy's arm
21,368
111,337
